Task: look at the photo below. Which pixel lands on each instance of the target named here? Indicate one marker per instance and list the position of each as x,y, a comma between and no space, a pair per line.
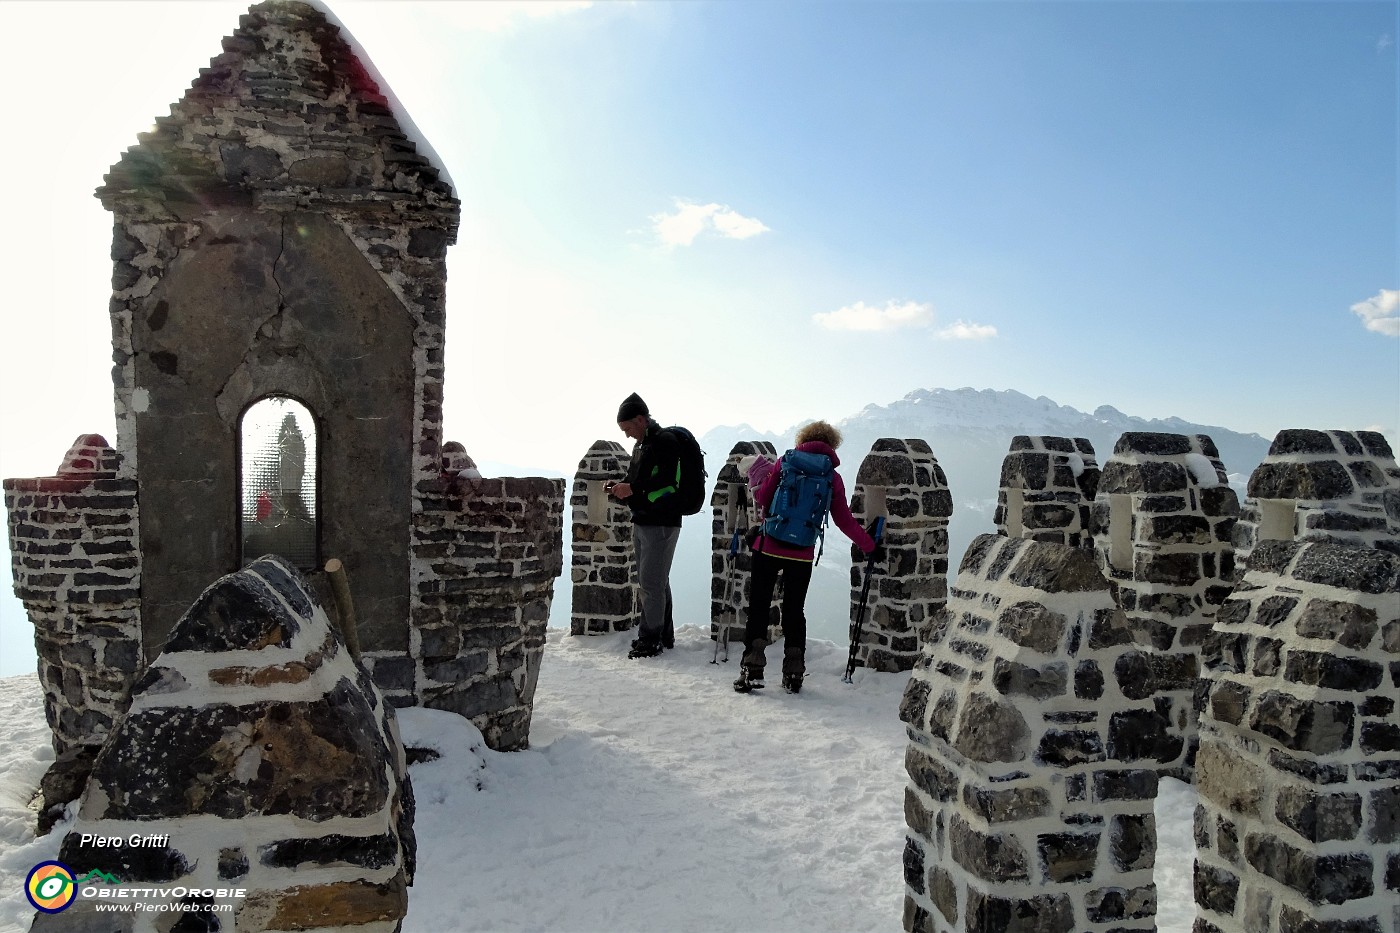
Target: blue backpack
797,514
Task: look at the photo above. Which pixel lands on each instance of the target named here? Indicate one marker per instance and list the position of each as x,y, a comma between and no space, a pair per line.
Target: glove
870,529
878,555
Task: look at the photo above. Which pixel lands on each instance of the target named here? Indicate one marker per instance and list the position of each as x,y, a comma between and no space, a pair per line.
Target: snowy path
653,798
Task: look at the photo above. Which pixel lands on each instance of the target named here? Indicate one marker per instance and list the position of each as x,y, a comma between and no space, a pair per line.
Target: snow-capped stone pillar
1337,486
1047,490
604,565
1028,804
1163,521
902,481
1298,773
77,570
731,510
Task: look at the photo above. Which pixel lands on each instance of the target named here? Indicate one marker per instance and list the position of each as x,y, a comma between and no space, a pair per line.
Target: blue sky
1177,208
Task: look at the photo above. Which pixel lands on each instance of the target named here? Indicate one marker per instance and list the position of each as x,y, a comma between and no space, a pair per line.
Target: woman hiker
814,456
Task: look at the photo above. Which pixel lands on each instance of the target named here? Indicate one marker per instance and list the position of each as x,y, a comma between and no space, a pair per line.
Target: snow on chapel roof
292,104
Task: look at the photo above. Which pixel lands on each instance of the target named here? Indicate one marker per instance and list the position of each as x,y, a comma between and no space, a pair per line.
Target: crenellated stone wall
485,555
732,509
1298,774
1034,755
902,481
1340,486
73,541
603,567
1030,800
1163,520
1047,490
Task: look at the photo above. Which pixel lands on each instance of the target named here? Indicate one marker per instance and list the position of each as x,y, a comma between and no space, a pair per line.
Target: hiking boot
794,660
644,649
792,683
750,678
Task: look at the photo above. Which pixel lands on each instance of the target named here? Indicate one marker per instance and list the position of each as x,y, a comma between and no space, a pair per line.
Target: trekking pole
728,598
857,625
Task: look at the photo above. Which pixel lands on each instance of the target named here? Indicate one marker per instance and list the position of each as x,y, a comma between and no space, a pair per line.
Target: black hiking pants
797,576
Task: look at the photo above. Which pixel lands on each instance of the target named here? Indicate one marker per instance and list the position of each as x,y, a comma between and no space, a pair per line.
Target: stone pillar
604,565
1047,490
257,757
1028,805
1337,486
1298,774
1163,519
731,509
485,555
901,480
77,570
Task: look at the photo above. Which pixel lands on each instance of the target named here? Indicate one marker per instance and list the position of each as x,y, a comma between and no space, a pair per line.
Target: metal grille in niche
278,509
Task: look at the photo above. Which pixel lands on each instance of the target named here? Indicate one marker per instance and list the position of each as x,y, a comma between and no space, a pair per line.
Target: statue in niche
282,523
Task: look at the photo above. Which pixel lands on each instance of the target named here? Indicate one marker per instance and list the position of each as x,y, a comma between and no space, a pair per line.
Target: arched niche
279,503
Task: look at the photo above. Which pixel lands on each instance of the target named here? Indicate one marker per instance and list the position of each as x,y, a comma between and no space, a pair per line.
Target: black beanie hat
631,407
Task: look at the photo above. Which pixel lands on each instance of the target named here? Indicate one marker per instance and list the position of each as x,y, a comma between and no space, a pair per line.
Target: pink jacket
840,509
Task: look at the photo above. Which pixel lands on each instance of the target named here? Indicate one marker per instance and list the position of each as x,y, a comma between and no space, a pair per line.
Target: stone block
991,730
1215,888
1320,728
1230,781
1048,913
1068,856
993,857
1007,805
934,779
1318,817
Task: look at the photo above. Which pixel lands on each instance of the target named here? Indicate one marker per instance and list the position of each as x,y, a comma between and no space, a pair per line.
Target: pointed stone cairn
258,767
604,565
1047,490
902,481
1339,486
1163,521
732,509
73,546
1031,781
1298,773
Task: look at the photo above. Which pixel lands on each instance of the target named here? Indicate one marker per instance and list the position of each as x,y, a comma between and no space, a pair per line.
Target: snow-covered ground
653,797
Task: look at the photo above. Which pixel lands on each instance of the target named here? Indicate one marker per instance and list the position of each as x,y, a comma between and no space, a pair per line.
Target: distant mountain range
971,429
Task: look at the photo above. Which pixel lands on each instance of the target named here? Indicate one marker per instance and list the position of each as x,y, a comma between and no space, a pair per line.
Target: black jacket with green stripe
654,476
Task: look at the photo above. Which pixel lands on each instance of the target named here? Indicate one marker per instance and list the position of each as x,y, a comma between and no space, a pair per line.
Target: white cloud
1384,42
966,330
1381,312
861,316
737,226
690,220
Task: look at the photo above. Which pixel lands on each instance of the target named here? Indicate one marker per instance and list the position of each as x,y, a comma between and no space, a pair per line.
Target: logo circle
50,887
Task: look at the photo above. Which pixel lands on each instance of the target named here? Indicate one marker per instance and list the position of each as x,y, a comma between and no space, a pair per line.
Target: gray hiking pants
656,548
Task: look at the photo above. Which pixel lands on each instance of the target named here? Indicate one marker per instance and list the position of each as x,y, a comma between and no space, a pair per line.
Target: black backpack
690,485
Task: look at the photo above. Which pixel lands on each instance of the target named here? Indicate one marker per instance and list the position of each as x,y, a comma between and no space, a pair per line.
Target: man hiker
651,490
